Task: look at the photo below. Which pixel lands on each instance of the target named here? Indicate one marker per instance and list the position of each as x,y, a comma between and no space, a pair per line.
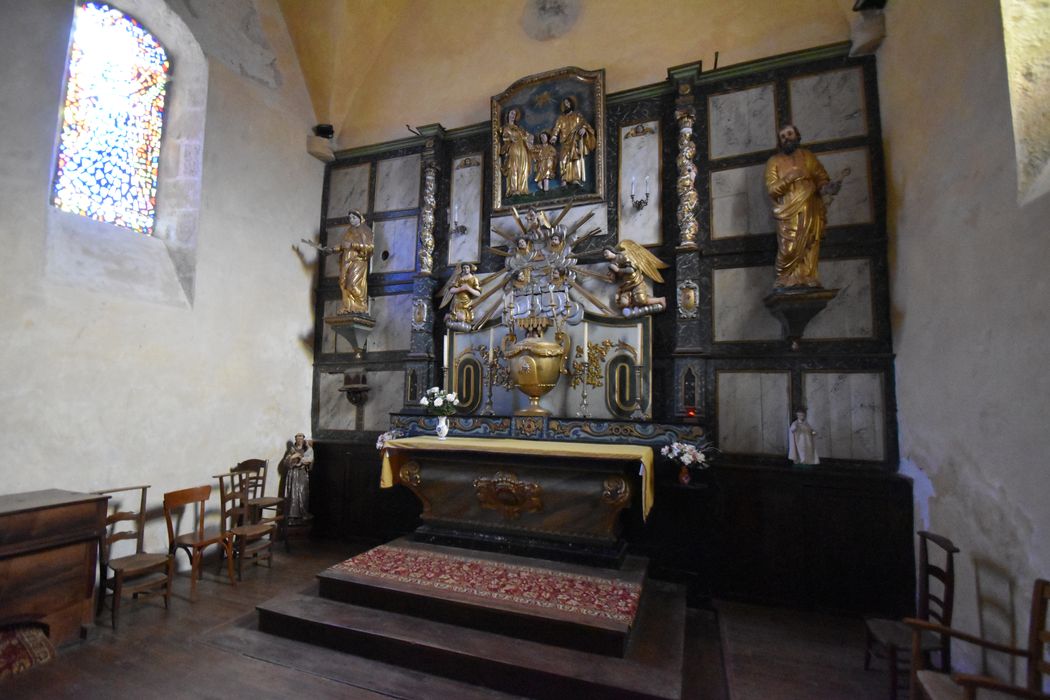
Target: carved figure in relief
630,265
355,252
545,157
462,290
575,139
802,448
797,183
515,143
295,465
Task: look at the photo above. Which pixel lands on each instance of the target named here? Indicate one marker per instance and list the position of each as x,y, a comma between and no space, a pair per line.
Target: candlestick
632,186
585,352
646,185
491,348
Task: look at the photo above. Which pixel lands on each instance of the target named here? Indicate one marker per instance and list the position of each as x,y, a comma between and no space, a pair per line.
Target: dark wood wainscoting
809,538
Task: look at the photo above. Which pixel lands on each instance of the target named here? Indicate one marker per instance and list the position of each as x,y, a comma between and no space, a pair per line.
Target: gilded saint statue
631,264
514,150
797,184
355,252
575,139
545,157
462,291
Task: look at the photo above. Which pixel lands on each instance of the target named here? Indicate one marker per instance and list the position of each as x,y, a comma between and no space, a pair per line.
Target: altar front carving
561,499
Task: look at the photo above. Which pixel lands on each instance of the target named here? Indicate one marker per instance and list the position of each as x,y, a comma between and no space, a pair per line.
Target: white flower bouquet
439,402
687,455
388,435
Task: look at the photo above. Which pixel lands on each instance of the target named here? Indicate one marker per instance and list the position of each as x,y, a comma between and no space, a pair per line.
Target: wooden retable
48,549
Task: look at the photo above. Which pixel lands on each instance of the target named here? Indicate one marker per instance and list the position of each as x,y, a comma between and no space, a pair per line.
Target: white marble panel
395,245
348,189
640,170
331,262
386,396
397,183
753,412
846,410
600,219
740,205
850,314
334,411
829,105
330,340
466,209
393,315
739,314
742,122
852,205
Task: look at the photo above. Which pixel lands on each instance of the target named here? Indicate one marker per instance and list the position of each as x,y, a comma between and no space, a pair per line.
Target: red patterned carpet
21,648
543,588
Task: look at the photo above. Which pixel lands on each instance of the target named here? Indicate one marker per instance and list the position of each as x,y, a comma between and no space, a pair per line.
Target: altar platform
516,624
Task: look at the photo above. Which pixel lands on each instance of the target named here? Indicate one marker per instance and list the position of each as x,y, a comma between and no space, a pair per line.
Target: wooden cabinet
48,554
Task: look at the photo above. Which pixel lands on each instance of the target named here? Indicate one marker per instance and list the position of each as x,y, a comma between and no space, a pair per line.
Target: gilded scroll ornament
686,185
506,493
797,183
410,474
426,234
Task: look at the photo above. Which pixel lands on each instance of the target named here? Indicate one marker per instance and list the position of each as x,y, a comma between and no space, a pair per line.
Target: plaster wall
970,320
433,61
100,390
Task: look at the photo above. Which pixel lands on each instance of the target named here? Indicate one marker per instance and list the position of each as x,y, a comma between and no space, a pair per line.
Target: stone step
651,667
454,591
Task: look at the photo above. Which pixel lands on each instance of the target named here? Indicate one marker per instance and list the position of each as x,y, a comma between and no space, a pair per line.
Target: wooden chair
885,638
248,539
936,686
254,471
136,573
199,539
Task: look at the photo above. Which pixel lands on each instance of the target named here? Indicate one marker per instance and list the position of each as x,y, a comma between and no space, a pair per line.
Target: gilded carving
507,494
688,299
631,264
800,189
410,474
462,291
529,426
616,491
686,185
426,234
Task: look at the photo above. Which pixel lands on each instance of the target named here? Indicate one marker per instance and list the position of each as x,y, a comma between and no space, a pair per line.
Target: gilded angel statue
461,290
631,265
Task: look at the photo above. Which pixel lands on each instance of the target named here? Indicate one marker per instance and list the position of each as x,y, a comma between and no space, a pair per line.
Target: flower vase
442,427
683,475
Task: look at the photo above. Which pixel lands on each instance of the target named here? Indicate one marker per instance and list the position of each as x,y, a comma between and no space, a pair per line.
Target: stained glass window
109,149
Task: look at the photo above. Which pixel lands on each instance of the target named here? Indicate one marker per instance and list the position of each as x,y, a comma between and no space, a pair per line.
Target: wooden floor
186,652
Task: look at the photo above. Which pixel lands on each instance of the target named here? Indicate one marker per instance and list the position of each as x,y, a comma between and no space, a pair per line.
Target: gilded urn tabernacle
535,366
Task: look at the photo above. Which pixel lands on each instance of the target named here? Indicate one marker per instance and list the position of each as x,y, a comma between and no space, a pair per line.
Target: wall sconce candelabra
639,203
457,229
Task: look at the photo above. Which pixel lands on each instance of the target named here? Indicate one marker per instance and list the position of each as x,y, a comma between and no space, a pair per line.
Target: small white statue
802,448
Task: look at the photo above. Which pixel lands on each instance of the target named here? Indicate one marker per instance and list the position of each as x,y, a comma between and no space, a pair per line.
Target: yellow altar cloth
397,452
